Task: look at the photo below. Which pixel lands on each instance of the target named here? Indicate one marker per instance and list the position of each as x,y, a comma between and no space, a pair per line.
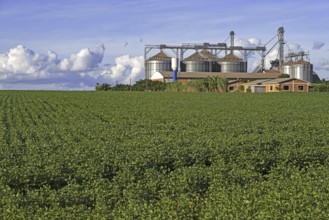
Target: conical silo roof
288,63
202,56
302,61
230,57
209,55
195,57
160,56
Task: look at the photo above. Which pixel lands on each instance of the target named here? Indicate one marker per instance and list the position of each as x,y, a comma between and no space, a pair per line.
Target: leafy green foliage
141,85
209,84
241,89
321,86
149,85
132,155
215,84
103,87
121,87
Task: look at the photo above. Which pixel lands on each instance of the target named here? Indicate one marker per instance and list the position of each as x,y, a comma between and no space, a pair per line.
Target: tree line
209,84
321,86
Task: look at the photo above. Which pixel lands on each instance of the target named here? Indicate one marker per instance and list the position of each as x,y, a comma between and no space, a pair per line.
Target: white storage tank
287,68
157,63
232,63
196,63
303,70
213,61
203,61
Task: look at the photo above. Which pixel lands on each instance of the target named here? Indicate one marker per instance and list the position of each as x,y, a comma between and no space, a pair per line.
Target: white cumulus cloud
23,68
251,43
253,58
20,61
83,60
273,55
126,69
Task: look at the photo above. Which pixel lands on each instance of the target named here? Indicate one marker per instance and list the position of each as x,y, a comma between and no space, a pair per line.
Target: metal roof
256,82
288,63
196,57
301,61
228,75
230,57
209,55
160,56
282,80
203,55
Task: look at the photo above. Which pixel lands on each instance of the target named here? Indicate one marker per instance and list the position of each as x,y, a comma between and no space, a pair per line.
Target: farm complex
231,62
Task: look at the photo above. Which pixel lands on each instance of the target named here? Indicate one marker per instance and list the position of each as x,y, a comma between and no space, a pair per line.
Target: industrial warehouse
290,73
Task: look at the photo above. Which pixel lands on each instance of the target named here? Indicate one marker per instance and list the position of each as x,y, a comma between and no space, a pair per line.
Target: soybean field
163,155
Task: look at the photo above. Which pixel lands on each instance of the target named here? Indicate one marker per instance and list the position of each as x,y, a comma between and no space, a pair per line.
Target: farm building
286,85
233,85
166,76
255,83
277,85
235,80
255,86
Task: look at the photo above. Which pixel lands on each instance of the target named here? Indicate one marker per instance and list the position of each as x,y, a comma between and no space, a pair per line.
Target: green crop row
163,155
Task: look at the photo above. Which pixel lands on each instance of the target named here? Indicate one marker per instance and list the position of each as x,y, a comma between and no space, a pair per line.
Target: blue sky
69,28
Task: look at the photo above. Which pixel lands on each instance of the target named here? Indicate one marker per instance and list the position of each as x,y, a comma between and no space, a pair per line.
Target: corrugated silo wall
153,66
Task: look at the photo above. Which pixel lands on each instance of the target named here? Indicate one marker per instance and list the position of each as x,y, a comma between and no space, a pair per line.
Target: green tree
216,84
321,87
196,86
241,89
149,85
103,87
176,87
121,87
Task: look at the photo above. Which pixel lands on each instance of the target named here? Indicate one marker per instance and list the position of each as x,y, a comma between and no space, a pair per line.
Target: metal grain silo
287,68
196,63
202,61
157,63
232,63
212,59
303,70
